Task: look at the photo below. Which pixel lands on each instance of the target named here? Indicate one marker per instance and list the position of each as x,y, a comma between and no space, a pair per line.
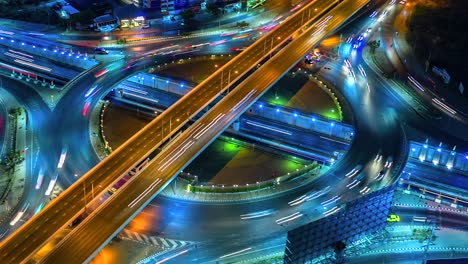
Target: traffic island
13,167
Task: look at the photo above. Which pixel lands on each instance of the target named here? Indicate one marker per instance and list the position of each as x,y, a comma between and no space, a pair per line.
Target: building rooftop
128,11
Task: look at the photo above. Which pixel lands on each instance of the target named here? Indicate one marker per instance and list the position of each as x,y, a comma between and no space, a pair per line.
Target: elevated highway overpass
21,245
98,228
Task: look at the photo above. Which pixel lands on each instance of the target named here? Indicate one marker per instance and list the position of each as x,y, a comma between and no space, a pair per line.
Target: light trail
235,253
257,214
247,97
141,97
171,257
331,211
18,57
269,128
33,65
144,193
21,53
444,106
210,125
288,218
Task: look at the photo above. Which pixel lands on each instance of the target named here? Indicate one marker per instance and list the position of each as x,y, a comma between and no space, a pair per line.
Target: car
76,221
393,218
101,51
112,190
145,26
237,49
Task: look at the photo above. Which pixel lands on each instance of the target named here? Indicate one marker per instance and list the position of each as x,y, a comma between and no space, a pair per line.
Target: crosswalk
163,243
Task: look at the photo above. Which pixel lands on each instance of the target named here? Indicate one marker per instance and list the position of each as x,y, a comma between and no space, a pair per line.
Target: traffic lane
36,63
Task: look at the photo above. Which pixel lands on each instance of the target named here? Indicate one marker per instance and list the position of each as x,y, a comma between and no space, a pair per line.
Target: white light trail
6,32
297,200
19,215
242,101
144,193
176,156
318,194
331,211
235,253
18,57
419,218
40,178
210,125
63,155
50,187
171,257
353,184
141,97
21,53
331,200
270,128
362,71
444,106
322,23
33,65
288,218
133,89
353,172
365,190
416,83
257,214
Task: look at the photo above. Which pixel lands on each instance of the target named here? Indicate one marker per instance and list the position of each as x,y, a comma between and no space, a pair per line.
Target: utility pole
84,196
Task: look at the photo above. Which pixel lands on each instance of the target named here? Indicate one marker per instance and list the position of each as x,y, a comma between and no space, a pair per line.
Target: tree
242,24
374,44
187,14
213,9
